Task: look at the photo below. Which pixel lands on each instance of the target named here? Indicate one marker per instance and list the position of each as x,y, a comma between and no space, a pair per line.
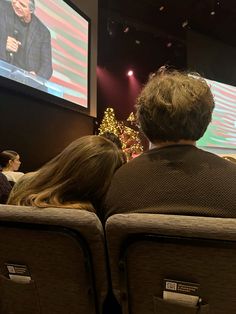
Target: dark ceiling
155,33
165,17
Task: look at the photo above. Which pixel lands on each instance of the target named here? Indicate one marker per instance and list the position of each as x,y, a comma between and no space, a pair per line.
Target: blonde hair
229,158
174,106
78,176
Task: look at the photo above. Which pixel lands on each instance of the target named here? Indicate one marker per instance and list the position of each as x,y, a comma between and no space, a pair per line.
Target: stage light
169,44
130,73
185,23
138,42
213,12
161,8
126,29
111,27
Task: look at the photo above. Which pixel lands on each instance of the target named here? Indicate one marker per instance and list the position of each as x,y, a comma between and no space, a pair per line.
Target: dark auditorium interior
142,36
138,35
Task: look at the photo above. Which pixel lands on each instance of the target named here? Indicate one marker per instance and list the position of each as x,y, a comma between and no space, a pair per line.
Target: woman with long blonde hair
78,177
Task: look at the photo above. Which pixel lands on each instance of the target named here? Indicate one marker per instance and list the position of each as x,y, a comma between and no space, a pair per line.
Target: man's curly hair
174,106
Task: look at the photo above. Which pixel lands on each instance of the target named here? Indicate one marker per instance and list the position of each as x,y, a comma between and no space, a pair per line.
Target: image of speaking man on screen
25,41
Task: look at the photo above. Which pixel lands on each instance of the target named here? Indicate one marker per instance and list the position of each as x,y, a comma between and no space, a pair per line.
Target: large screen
44,44
221,132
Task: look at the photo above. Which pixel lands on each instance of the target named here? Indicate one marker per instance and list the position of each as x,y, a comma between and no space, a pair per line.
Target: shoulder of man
225,164
120,183
39,24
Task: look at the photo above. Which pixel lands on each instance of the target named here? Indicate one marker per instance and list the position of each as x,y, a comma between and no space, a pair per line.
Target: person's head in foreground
112,137
115,139
174,107
9,160
78,176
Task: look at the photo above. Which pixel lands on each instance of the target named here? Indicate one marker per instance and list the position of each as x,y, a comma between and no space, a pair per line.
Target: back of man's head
174,106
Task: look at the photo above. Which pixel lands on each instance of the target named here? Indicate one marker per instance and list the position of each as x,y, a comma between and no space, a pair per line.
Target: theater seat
146,249
51,261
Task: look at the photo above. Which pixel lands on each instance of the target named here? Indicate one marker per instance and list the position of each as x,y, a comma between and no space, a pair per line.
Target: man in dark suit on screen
24,40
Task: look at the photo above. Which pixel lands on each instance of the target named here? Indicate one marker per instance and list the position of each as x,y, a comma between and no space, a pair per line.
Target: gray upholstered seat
63,251
145,249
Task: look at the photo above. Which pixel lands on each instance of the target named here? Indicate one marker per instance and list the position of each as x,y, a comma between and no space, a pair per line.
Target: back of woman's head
6,156
81,172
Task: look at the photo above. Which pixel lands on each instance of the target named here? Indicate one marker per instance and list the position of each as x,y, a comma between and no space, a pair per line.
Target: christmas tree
128,134
109,123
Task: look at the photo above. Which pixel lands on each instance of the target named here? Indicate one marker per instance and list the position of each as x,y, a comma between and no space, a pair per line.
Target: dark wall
139,50
38,130
211,58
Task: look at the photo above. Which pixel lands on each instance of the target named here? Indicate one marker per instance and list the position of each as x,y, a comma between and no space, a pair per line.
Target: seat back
146,249
59,252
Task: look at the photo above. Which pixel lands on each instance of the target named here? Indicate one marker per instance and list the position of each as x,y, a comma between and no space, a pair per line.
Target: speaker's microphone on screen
12,54
15,34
